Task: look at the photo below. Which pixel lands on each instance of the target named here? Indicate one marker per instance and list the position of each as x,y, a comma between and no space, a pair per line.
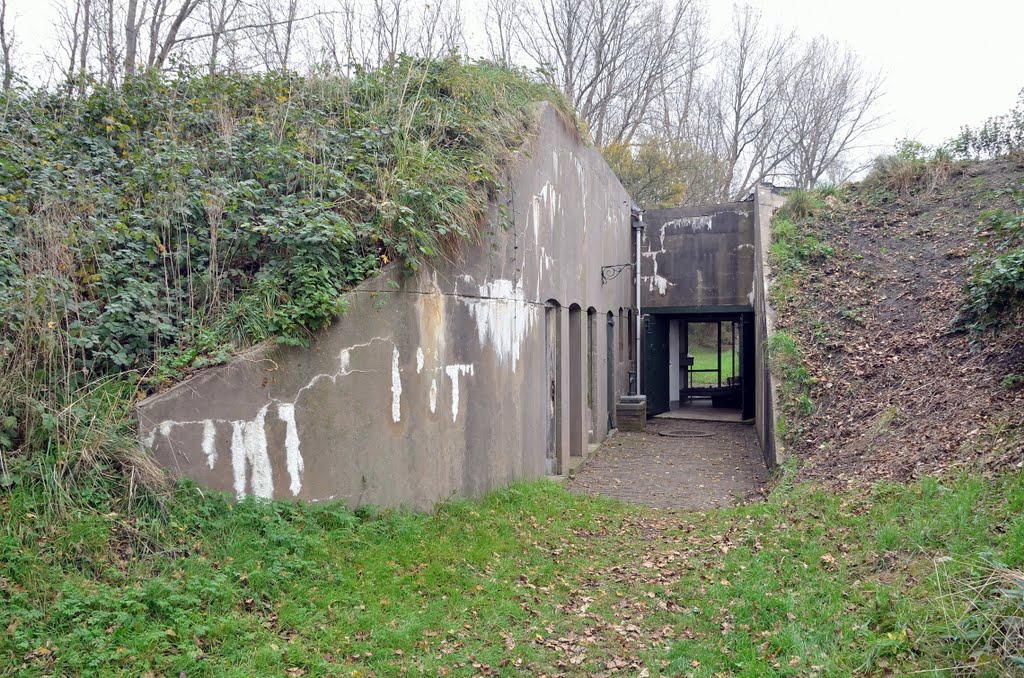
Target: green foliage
910,167
794,245
786,358
664,173
1012,382
997,136
880,579
995,291
800,204
150,229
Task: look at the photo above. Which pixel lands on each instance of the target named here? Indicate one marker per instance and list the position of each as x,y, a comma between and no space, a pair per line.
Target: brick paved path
665,471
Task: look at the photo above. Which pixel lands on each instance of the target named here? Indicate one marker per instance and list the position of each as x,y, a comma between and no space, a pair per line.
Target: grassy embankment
530,580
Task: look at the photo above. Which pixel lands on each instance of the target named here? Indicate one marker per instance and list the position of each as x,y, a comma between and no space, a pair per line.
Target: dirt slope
898,394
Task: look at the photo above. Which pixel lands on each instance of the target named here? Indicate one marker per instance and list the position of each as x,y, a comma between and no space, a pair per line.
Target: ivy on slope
154,227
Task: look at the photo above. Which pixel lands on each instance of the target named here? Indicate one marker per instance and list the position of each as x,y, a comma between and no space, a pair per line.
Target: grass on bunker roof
530,580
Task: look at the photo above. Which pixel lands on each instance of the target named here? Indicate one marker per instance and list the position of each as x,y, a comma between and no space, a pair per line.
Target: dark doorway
592,417
656,364
575,381
700,363
609,388
553,374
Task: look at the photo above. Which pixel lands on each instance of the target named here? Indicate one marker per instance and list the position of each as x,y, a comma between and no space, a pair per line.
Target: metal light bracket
613,271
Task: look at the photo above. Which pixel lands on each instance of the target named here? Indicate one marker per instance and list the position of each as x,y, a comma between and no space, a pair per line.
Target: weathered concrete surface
435,385
715,470
698,256
766,203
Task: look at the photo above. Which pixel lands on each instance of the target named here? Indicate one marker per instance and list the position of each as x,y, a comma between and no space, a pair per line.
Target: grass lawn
529,581
706,358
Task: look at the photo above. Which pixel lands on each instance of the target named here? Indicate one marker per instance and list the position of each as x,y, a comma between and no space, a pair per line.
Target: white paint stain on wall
250,461
503,318
695,224
661,282
453,372
433,396
250,457
293,455
396,387
419,359
544,204
210,443
655,280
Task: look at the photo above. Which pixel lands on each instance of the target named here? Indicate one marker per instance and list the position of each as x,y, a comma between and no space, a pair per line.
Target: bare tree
274,40
747,103
170,38
832,104
132,25
109,42
387,29
219,16
86,28
500,22
658,63
613,58
441,29
677,99
337,29
6,46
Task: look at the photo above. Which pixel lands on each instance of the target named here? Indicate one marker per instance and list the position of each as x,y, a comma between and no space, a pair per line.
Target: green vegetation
153,228
795,246
995,291
530,580
786,359
800,204
658,172
997,136
794,241
910,167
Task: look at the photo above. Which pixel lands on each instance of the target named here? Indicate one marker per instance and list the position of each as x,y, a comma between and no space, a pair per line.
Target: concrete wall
434,385
698,257
765,205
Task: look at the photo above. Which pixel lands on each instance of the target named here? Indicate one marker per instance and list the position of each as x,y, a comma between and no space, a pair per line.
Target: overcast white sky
946,63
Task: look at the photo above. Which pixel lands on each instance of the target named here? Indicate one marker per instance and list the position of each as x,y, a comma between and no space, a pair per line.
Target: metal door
609,389
656,364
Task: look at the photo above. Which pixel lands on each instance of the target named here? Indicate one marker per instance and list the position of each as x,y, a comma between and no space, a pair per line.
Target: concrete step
575,464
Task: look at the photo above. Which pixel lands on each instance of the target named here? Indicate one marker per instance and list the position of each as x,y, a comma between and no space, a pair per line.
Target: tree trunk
131,37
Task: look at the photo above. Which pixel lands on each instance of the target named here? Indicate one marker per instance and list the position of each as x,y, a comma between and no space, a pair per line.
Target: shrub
800,204
911,166
997,136
995,290
794,245
151,228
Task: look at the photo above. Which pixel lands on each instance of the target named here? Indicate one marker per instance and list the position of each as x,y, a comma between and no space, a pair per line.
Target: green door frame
656,364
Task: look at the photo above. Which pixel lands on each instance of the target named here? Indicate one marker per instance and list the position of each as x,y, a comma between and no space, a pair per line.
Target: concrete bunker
704,306
457,380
